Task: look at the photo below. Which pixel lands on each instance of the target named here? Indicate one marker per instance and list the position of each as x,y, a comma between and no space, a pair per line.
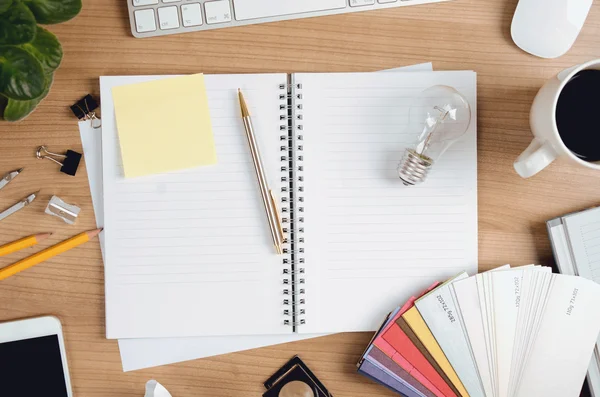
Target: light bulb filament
438,121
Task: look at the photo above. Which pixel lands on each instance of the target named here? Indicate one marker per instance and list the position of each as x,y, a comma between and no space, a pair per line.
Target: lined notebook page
583,231
370,242
189,253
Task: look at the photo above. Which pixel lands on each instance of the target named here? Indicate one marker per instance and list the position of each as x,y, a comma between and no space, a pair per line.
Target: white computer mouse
548,28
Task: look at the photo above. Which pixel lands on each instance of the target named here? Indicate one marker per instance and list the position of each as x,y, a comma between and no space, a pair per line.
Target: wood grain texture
462,34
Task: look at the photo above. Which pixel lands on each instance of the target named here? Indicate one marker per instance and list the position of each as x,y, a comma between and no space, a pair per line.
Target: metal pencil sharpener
66,212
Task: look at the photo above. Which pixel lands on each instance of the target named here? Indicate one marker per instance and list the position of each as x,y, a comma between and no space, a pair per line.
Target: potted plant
29,54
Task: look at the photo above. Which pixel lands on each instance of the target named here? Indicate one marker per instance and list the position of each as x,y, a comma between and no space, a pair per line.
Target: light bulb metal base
414,167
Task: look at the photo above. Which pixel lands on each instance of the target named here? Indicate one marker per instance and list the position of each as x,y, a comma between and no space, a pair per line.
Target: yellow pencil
48,253
23,243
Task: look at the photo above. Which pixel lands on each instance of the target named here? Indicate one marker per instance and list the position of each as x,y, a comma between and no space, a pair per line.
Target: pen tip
243,106
20,170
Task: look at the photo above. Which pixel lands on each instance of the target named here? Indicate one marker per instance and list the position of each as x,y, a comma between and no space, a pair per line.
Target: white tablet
32,359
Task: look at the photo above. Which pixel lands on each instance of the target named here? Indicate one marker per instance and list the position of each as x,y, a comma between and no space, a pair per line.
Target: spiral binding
292,178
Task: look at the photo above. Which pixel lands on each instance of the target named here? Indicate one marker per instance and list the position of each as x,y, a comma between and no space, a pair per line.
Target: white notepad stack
576,244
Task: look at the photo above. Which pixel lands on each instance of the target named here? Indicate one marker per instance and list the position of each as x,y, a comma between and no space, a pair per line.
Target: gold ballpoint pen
267,194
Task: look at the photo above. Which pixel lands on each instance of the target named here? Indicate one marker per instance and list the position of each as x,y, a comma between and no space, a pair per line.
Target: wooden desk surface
462,34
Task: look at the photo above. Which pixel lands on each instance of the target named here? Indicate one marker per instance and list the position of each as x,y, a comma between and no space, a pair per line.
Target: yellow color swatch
419,327
164,125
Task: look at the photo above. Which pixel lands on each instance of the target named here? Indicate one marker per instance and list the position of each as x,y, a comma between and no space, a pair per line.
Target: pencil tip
42,236
93,233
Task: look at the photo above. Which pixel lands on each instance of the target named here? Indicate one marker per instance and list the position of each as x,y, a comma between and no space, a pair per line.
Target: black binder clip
70,163
84,110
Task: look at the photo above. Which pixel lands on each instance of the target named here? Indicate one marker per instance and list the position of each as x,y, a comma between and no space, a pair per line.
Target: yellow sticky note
164,125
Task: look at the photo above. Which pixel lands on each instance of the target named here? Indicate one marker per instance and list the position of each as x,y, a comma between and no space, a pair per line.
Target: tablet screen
32,367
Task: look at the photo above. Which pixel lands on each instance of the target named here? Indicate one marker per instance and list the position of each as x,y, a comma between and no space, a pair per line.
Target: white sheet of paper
356,127
534,309
151,352
470,314
529,287
506,294
487,327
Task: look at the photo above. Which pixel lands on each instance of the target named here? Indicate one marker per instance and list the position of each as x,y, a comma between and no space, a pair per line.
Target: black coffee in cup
578,115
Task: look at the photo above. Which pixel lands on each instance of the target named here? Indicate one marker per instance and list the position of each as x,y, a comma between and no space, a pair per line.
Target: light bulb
437,118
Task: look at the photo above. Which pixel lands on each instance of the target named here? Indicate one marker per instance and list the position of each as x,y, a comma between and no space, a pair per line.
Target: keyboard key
245,10
191,15
139,3
360,3
387,1
217,11
168,18
171,1
145,21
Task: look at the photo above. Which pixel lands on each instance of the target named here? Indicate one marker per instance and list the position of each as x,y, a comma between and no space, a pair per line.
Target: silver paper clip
66,212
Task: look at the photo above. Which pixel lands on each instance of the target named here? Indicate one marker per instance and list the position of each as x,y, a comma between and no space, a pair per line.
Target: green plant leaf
5,5
3,102
45,48
21,75
17,25
18,110
54,11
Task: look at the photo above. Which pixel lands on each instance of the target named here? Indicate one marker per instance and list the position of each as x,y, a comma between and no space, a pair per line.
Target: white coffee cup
547,144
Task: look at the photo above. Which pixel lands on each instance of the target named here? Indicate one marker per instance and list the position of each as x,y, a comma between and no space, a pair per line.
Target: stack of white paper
517,332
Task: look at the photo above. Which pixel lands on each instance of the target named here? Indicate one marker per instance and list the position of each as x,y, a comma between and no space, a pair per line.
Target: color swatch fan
510,332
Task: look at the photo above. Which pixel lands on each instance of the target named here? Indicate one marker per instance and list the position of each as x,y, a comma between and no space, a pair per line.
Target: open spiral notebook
191,248
149,352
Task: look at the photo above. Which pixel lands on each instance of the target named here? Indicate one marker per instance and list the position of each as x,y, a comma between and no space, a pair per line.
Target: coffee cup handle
535,158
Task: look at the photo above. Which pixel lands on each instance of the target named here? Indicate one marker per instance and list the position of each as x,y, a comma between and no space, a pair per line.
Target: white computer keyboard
161,17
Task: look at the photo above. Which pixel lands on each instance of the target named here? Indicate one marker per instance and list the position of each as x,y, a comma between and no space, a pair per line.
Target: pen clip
277,217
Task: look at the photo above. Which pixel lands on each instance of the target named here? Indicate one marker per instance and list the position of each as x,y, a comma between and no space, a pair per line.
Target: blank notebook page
189,253
583,230
370,242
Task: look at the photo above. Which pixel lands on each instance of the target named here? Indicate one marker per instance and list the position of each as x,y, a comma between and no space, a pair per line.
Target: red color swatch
398,346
